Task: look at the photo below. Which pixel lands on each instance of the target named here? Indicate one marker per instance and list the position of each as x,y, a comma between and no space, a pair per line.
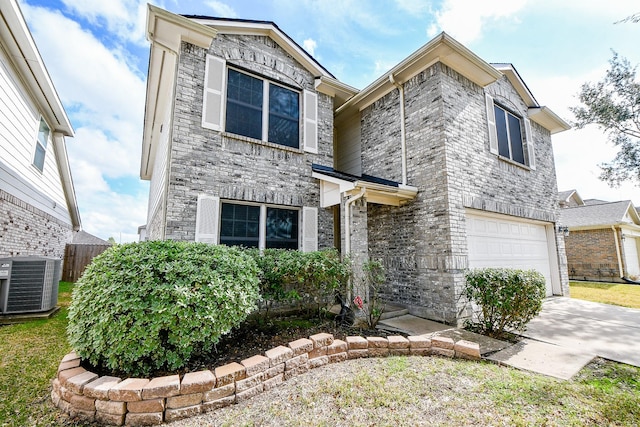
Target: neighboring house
442,164
604,240
38,209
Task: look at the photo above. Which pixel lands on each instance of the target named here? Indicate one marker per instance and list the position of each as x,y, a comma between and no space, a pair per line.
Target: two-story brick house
442,164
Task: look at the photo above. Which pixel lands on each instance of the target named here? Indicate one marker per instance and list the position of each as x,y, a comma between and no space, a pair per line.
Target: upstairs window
262,110
244,104
509,135
41,146
506,137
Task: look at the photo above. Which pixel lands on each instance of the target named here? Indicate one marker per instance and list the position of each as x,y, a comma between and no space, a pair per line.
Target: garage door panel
498,242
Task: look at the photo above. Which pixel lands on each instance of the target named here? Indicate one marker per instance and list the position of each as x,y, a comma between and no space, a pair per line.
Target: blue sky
97,56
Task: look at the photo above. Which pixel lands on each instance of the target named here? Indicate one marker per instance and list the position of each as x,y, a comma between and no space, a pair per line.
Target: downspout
615,236
347,228
403,137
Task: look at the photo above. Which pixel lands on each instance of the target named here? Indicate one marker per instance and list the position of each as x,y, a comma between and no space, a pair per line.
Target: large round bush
148,306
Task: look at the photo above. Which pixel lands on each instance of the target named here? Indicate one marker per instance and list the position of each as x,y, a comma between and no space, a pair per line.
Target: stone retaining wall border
141,401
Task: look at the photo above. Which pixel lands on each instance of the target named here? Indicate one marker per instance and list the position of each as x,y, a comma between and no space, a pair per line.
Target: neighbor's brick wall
423,244
592,255
26,230
239,168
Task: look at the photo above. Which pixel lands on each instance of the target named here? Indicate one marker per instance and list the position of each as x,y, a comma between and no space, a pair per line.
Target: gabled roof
539,114
602,215
84,238
263,28
25,57
565,197
443,48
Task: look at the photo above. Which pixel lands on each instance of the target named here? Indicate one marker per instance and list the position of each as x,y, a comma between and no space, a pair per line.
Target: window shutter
310,134
309,229
207,217
531,149
213,96
491,121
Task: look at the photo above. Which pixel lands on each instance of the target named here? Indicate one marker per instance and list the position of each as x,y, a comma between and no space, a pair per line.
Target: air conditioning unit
28,284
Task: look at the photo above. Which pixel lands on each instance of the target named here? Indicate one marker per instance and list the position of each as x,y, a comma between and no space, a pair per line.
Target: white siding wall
347,150
19,123
159,175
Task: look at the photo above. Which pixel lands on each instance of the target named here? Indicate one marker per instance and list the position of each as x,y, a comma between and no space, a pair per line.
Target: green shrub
508,299
148,306
371,306
300,278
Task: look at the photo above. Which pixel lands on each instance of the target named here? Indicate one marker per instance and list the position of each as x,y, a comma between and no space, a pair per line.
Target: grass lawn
394,391
608,293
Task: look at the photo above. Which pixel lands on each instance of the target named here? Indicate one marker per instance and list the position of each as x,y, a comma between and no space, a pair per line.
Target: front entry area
497,240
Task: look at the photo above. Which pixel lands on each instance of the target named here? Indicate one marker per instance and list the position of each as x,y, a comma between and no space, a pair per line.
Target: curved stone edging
141,401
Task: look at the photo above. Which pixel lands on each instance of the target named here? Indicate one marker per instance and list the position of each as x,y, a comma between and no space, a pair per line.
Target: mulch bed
256,336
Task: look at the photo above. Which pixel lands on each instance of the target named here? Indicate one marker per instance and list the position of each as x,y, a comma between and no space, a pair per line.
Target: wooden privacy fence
76,259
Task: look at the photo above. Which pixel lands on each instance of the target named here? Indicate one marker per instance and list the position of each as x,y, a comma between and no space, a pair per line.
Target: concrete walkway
566,336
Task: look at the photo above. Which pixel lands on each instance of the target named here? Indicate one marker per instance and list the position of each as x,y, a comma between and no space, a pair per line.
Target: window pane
244,105
282,228
240,225
38,158
517,151
501,128
284,116
43,133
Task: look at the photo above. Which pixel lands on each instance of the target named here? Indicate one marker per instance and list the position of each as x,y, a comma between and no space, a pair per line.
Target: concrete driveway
605,330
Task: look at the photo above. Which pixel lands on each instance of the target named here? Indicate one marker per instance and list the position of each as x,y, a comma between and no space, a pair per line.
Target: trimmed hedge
292,277
508,299
143,307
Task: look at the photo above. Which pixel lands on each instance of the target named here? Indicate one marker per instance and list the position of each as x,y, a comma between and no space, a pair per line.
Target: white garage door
631,256
498,241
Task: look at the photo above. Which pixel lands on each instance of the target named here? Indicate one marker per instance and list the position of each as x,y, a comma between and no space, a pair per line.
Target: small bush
508,299
373,307
300,278
149,306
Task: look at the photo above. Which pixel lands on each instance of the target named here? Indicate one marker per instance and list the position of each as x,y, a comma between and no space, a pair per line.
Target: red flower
358,302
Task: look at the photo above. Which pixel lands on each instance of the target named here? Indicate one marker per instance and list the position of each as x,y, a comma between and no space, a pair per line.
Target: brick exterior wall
235,167
423,244
26,230
592,255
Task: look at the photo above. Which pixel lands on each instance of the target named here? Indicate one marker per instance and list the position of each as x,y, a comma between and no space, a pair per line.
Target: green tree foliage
507,299
143,307
613,104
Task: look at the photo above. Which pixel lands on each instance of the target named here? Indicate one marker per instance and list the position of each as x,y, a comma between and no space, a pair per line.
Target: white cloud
310,46
124,18
466,19
414,7
104,98
221,9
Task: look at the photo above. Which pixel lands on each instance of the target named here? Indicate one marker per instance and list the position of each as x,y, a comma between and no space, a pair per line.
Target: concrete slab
412,325
487,345
543,358
608,331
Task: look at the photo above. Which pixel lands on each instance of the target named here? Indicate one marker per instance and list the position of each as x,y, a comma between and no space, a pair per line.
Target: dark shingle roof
329,171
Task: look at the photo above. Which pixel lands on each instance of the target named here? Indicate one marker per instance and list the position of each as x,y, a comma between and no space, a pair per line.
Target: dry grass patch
607,293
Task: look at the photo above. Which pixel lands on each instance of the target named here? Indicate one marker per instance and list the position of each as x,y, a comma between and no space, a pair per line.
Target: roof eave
165,31
442,48
26,57
546,118
268,29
